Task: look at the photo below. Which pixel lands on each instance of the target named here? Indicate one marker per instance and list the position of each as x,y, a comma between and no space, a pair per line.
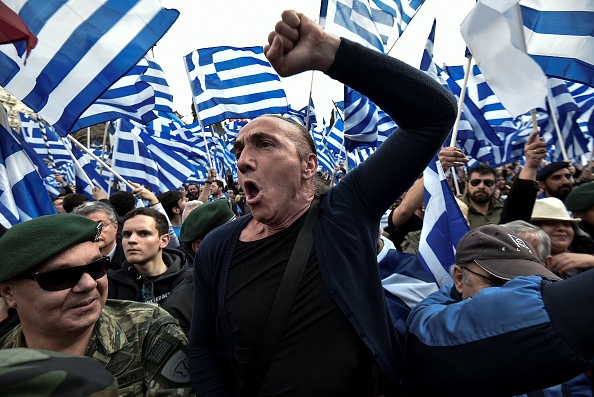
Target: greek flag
22,192
584,98
44,141
479,92
516,79
402,11
443,225
129,97
325,159
155,76
83,48
85,171
233,82
559,37
335,139
567,112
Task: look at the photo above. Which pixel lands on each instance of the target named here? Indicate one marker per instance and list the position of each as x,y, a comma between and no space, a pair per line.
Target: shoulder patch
176,368
159,351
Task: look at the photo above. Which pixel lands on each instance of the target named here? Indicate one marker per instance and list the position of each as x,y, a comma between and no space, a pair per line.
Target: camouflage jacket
140,344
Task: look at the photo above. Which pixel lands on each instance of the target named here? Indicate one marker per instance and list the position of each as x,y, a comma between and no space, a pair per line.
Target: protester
151,272
505,324
73,200
555,180
108,243
581,203
59,289
193,191
572,253
339,314
200,222
483,208
174,203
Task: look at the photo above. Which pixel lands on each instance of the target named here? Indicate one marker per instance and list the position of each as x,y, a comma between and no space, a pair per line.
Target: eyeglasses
103,225
68,277
494,281
486,182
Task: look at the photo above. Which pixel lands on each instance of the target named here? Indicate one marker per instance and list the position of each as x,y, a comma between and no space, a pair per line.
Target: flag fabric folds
560,37
489,31
443,225
83,48
233,82
13,28
22,193
44,141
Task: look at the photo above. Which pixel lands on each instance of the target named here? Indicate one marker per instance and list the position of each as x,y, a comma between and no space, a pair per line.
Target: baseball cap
500,253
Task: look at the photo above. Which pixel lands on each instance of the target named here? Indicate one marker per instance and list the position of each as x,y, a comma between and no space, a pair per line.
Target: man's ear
164,241
548,262
458,278
310,166
7,292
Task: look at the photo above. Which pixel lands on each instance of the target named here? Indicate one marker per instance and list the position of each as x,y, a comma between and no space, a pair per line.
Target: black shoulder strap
257,367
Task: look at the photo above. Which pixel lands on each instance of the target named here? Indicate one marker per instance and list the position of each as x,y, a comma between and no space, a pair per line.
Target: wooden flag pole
78,166
557,129
461,102
103,164
309,101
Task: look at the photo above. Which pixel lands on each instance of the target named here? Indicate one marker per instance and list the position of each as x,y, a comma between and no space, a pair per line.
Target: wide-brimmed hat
551,209
500,253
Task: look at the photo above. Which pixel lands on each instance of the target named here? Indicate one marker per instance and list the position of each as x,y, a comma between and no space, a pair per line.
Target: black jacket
126,283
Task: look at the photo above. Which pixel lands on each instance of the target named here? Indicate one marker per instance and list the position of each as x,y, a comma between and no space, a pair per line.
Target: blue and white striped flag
560,38
403,11
479,92
129,97
443,225
335,139
567,112
83,48
85,171
44,140
584,98
233,82
357,20
156,78
325,158
22,193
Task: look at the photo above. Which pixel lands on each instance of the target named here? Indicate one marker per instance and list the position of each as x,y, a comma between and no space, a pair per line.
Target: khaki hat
551,209
500,253
31,243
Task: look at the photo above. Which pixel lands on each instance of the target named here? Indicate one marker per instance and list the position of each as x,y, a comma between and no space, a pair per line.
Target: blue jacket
347,230
504,341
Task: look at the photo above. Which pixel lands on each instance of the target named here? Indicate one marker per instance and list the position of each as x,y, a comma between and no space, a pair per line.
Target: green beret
581,197
205,218
31,243
34,372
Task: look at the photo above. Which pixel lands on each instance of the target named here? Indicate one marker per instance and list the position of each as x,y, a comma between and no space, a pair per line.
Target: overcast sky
242,23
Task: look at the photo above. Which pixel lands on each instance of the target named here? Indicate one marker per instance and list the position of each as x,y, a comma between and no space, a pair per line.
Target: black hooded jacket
171,290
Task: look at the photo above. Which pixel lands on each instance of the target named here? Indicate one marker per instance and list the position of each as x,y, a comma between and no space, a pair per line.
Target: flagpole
557,129
103,164
103,146
461,102
309,102
78,166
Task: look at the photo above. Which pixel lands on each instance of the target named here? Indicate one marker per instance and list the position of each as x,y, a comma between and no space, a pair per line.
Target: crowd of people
285,282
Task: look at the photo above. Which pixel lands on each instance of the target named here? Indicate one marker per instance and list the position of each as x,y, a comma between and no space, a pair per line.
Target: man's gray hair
520,228
91,207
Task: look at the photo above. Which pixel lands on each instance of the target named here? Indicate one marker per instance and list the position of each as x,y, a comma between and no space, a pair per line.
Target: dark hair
161,222
169,199
73,200
219,183
123,202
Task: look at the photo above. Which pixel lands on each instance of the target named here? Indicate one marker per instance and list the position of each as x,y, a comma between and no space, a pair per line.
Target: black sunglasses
487,182
494,281
68,277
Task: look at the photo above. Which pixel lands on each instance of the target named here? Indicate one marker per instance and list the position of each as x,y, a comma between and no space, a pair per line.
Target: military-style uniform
138,343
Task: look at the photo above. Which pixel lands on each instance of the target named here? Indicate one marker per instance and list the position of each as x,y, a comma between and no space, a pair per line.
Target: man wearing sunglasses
483,208
59,288
507,326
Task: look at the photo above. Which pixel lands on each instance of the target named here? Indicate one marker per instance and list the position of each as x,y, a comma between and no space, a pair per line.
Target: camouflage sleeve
166,362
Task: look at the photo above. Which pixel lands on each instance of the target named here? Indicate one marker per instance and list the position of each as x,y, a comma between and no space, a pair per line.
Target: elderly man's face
69,311
108,231
270,172
471,278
